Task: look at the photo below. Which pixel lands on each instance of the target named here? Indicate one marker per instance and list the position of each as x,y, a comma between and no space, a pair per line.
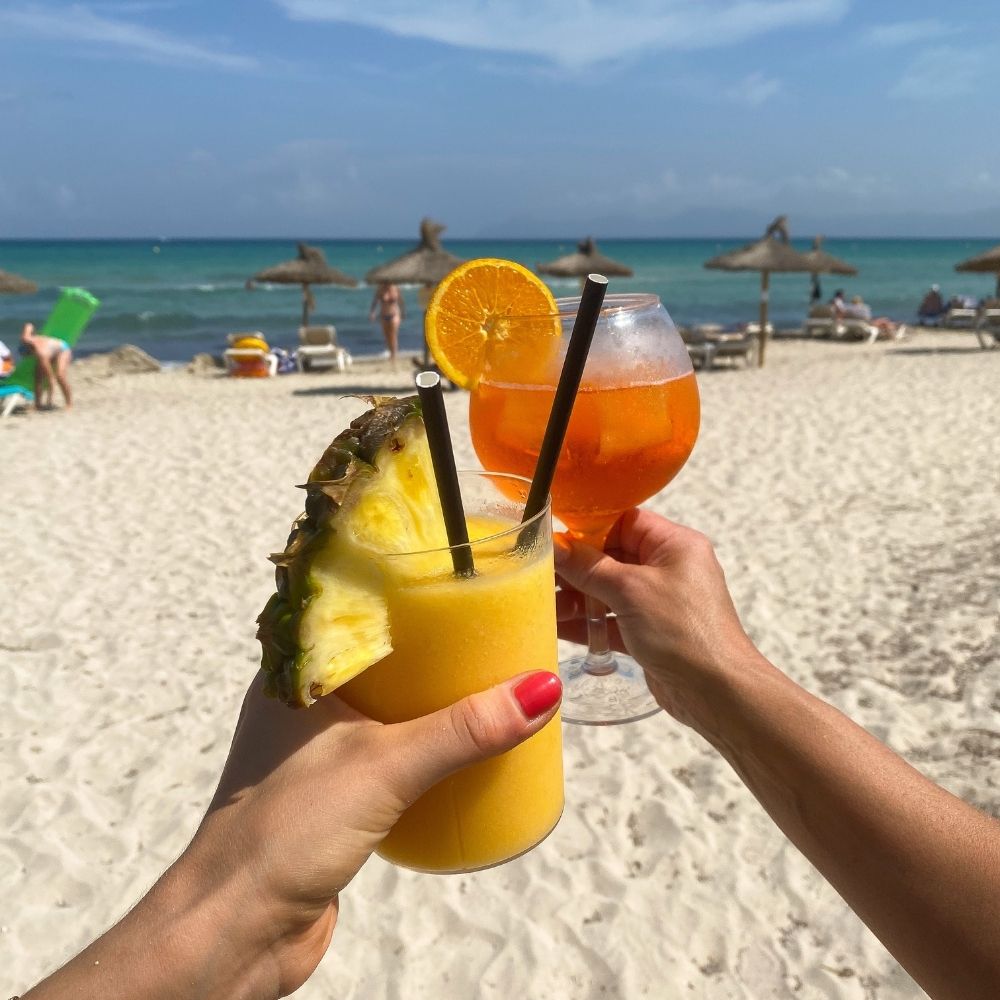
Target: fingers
425,750
586,569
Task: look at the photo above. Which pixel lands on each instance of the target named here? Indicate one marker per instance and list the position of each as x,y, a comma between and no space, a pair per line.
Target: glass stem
599,660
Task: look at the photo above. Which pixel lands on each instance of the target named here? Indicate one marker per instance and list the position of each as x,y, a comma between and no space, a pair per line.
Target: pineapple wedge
372,493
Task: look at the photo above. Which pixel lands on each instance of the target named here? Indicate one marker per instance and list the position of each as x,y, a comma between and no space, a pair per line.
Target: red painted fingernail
538,693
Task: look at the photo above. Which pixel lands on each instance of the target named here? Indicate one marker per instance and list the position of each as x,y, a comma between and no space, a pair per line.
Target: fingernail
538,693
560,548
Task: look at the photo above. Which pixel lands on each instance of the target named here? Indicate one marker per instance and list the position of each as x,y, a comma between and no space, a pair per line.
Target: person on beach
857,308
305,797
53,356
388,301
932,307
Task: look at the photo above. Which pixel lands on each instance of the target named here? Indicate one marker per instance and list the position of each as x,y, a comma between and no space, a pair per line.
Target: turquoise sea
175,298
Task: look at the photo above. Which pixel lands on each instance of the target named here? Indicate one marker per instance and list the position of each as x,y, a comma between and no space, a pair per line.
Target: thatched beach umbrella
825,263
308,268
772,252
587,260
426,264
14,284
984,263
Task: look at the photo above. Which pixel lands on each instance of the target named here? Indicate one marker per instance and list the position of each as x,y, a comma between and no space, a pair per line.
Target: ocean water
175,298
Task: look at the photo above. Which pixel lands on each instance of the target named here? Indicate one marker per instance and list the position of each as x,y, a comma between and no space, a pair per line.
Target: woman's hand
305,797
672,608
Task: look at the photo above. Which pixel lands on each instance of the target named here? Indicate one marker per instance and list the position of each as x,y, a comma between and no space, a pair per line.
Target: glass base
468,869
608,696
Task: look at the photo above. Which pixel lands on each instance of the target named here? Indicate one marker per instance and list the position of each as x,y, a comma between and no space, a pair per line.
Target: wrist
220,931
712,698
182,941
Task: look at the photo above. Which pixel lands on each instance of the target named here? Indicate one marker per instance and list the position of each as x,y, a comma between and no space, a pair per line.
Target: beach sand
852,492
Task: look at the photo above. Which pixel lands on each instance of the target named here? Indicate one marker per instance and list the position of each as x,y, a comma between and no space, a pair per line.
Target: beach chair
988,327
318,348
960,318
14,397
699,347
249,356
858,329
822,323
736,344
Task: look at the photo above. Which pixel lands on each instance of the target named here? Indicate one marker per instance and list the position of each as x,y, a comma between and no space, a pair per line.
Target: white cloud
754,90
79,23
908,32
944,72
574,33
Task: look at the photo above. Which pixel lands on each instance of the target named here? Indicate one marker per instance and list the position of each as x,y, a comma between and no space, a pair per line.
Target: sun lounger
960,317
249,356
14,397
318,348
736,343
702,350
822,323
858,329
988,328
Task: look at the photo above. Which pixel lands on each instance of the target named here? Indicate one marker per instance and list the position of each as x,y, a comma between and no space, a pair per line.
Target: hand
306,796
673,611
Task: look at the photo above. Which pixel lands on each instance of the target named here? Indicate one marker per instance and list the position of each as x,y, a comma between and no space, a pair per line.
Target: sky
548,118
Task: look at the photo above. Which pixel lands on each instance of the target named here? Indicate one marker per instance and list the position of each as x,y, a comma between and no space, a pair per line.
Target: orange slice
486,309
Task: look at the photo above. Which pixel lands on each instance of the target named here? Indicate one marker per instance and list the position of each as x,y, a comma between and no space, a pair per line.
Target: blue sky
543,118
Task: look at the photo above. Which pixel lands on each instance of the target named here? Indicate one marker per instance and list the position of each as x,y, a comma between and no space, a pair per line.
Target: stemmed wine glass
634,424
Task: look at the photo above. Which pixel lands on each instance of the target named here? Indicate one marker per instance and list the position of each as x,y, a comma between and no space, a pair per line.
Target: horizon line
459,239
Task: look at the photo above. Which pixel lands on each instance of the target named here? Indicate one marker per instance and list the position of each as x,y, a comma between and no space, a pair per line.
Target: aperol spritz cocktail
634,424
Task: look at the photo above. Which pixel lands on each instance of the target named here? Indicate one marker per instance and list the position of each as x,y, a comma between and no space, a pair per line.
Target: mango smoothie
451,637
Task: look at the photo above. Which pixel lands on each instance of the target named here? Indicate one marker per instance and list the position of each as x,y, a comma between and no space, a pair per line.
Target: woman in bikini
53,356
388,299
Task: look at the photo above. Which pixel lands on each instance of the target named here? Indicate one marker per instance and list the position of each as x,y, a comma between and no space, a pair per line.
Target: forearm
917,864
176,944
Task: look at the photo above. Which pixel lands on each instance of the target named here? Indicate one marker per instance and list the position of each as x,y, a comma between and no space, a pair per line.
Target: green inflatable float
68,319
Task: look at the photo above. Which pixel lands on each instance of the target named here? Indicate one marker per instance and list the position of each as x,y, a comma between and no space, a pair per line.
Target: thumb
587,569
485,724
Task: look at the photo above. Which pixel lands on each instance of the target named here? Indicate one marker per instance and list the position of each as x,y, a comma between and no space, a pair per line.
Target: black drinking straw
591,301
443,459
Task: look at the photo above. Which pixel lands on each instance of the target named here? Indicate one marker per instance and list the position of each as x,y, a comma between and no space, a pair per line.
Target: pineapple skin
297,673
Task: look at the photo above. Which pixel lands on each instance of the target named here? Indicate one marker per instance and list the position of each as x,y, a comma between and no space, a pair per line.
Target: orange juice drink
453,636
624,443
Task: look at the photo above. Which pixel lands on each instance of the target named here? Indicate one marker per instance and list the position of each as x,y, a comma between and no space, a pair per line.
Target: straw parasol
984,263
587,260
825,263
14,284
772,252
426,264
308,268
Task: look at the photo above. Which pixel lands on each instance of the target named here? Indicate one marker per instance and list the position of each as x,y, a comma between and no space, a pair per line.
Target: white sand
852,492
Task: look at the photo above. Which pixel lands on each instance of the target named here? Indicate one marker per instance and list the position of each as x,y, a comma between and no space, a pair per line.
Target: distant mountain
713,222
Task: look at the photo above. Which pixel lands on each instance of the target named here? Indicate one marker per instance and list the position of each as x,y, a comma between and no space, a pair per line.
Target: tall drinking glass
634,424
452,636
